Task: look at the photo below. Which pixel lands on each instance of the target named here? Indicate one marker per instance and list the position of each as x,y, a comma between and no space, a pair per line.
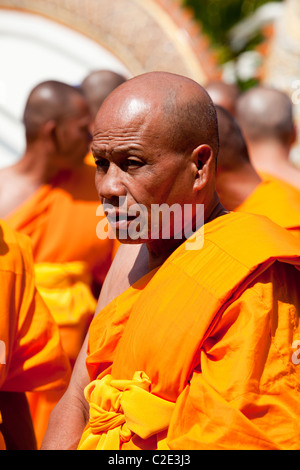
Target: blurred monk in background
240,187
31,355
265,116
96,86
50,195
224,94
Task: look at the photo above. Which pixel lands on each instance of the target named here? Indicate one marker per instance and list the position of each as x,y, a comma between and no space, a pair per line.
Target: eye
133,163
101,163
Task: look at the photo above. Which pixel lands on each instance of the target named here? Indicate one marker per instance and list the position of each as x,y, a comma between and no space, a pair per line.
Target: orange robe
276,200
31,354
198,353
89,159
61,221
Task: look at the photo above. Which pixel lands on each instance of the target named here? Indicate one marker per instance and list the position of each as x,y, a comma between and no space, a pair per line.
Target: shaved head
223,94
49,100
98,85
186,116
233,152
265,113
155,143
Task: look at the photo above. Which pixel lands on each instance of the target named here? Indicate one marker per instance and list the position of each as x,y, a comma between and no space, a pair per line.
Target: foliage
217,17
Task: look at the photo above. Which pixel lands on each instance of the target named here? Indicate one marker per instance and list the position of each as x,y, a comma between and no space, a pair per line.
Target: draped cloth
34,358
213,330
61,220
65,290
277,200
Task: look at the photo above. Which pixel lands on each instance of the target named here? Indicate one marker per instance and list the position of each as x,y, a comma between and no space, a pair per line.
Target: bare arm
70,416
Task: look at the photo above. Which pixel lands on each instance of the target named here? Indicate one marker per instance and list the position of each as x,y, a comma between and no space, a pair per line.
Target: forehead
130,120
121,112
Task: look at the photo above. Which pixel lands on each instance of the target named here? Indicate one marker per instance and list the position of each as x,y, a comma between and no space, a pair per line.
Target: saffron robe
276,200
89,159
61,220
198,353
32,357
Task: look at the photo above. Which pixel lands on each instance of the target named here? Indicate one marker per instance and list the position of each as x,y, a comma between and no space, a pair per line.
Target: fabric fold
121,408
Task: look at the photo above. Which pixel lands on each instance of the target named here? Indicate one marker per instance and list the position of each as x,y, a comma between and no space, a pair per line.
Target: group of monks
154,343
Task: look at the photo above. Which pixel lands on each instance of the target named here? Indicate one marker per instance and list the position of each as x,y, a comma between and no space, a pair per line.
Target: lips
117,216
119,220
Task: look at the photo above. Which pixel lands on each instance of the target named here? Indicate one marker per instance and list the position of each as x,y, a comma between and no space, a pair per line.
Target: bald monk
31,355
240,187
223,94
96,86
196,353
266,119
50,196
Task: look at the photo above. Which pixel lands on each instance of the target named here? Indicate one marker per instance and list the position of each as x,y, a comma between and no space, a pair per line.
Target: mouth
119,220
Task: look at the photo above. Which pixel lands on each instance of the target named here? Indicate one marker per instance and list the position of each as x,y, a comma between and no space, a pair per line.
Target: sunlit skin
136,162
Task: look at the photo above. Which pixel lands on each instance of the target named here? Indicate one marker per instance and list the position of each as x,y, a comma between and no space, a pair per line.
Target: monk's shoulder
15,251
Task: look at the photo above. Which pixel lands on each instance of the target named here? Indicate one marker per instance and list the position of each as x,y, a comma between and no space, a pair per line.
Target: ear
203,157
47,131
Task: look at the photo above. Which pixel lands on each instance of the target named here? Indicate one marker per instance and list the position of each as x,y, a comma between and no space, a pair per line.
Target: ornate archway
144,35
44,39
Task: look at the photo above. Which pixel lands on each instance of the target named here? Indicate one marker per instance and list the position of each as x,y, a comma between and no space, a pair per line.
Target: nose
109,184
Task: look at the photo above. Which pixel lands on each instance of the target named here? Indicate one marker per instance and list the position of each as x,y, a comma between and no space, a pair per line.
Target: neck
268,155
235,187
35,165
160,250
274,160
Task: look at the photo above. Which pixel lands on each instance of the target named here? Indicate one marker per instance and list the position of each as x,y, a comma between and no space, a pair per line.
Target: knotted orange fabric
277,200
213,330
121,408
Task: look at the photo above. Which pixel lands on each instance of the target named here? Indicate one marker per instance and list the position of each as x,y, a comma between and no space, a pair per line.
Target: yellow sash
121,408
65,288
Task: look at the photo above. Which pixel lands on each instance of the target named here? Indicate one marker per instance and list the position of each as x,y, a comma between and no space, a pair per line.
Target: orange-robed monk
50,195
96,86
31,354
266,117
194,343
241,188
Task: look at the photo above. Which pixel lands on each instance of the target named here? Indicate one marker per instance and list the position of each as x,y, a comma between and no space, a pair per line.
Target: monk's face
73,134
136,166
